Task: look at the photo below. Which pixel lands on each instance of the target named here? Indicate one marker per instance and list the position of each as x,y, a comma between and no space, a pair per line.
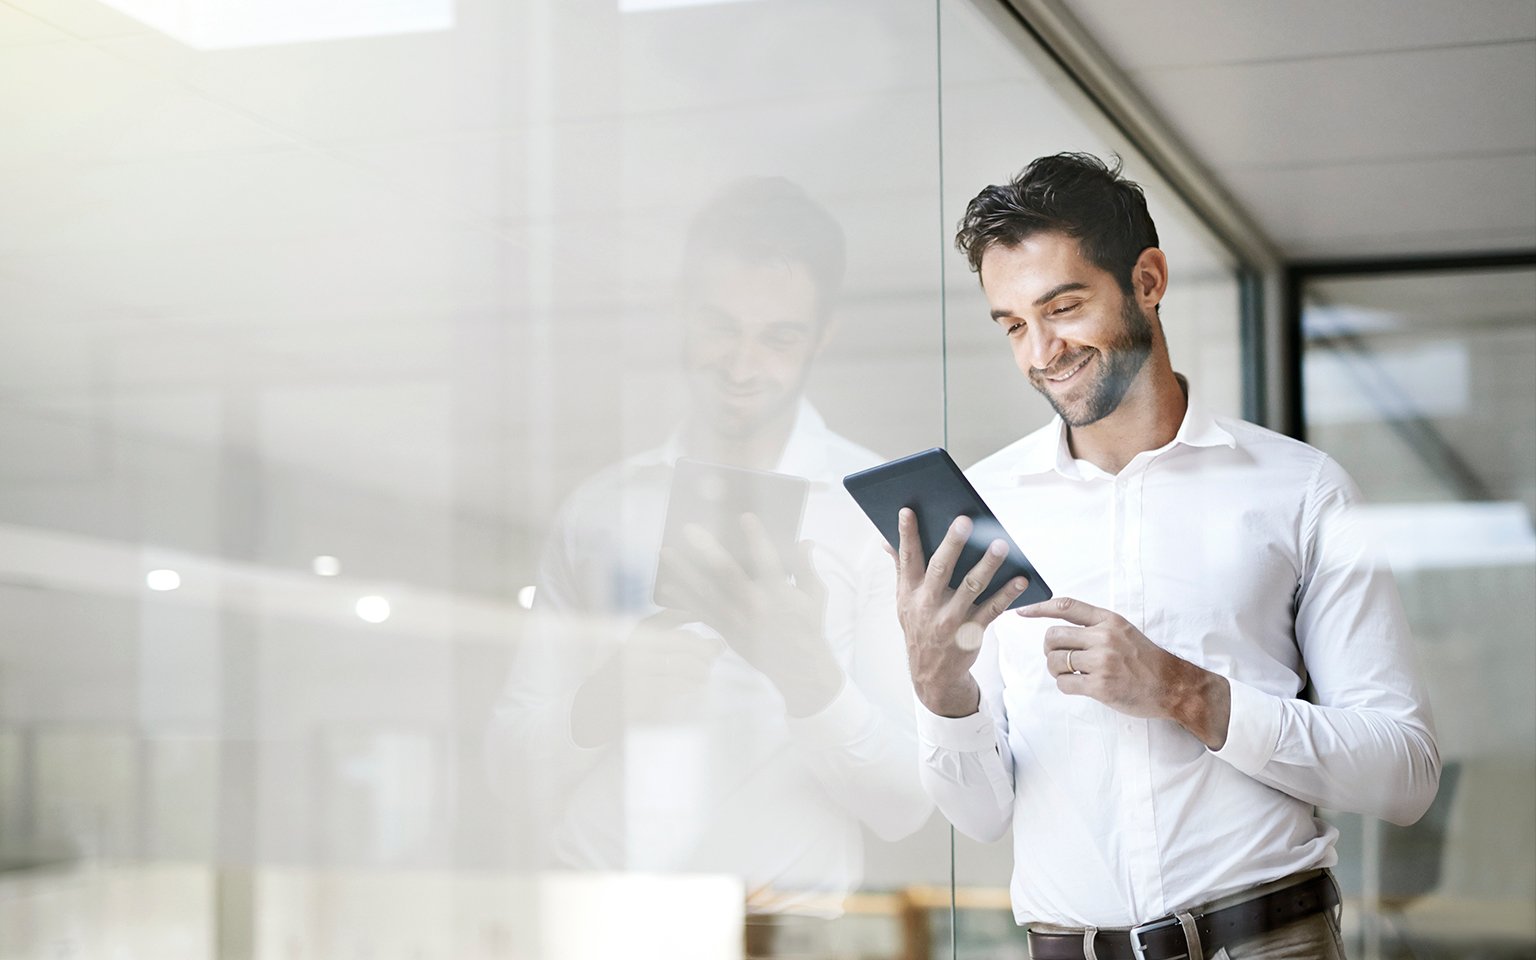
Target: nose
741,361
1042,347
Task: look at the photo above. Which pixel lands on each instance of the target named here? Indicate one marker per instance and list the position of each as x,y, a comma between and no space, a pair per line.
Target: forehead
766,290
1017,275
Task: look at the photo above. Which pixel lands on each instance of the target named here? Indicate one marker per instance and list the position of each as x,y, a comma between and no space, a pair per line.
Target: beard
1122,359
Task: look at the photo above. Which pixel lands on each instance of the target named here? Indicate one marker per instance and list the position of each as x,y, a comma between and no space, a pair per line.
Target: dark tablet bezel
936,489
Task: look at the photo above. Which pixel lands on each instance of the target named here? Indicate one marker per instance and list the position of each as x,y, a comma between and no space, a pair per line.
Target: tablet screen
937,491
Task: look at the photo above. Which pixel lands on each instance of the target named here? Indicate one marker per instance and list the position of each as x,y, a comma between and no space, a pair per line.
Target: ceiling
1348,130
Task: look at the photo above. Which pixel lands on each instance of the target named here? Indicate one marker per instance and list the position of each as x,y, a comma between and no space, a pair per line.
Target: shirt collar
1049,449
804,454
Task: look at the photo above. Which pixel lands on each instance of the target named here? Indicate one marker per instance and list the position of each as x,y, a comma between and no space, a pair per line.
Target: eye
785,339
1064,308
1013,328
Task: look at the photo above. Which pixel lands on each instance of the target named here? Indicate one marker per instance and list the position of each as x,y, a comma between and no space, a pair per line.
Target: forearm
1371,761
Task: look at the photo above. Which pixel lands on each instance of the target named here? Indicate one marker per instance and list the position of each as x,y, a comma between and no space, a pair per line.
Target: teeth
1069,372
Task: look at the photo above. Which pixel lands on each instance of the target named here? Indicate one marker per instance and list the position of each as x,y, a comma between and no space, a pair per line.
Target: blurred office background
324,325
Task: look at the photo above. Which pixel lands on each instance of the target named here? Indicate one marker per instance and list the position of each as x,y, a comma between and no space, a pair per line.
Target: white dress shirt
731,784
1232,547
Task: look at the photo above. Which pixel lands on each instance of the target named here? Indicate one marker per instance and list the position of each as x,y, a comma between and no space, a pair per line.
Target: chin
729,421
1081,411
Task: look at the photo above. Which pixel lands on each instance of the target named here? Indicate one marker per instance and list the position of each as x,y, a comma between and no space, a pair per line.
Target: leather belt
1164,939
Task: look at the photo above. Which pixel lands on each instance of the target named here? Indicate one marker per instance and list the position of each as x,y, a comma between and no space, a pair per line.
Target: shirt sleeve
966,763
861,746
528,748
1368,744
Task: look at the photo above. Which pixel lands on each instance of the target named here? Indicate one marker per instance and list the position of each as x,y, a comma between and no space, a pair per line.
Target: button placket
1142,844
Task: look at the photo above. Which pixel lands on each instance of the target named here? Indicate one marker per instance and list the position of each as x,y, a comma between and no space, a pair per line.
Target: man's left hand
1104,657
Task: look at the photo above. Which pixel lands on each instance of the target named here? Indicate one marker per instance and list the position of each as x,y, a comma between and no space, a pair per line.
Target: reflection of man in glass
751,729
1150,748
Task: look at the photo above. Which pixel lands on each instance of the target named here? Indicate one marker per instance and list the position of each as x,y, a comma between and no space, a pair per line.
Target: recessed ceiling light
162,580
325,566
373,609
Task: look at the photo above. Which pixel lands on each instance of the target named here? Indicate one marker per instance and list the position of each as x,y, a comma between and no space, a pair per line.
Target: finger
763,558
977,578
1067,660
806,577
665,620
1075,684
947,555
1065,608
699,587
1065,638
909,556
890,552
708,551
999,601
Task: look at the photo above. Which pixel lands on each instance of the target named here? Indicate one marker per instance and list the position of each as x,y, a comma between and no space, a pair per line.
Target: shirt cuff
970,734
1253,728
843,721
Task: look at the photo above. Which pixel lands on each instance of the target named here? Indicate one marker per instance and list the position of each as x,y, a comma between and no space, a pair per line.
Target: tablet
936,490
714,497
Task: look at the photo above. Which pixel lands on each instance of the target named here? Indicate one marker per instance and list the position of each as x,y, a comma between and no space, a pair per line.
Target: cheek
704,351
788,365
1020,356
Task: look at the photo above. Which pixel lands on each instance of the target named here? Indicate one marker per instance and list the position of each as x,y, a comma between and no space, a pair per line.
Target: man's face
751,332
1077,336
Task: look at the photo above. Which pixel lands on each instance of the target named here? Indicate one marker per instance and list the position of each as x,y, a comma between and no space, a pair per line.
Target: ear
826,327
1149,278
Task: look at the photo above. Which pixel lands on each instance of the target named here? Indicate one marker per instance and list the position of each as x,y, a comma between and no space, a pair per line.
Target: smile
1063,378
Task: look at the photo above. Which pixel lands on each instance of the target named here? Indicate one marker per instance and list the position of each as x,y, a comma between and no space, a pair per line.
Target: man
755,726
1143,731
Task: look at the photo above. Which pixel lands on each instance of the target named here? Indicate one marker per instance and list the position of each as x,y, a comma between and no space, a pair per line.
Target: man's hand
1102,656
943,627
776,624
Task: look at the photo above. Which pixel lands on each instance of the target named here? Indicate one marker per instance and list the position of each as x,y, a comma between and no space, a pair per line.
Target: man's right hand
943,627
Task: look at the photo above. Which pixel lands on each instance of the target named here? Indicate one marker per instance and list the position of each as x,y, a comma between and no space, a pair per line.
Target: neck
760,449
1147,418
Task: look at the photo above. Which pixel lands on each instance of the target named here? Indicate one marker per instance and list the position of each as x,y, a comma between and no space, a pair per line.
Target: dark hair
770,218
1074,193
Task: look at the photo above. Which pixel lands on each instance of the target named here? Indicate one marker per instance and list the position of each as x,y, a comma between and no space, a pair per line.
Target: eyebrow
1045,298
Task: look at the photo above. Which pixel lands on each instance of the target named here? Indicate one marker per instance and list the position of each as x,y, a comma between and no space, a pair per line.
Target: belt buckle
1139,949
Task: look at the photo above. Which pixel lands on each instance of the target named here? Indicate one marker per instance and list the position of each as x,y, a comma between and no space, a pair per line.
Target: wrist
958,698
1201,702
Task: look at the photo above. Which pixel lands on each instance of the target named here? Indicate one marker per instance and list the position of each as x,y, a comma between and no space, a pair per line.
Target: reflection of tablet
931,484
714,497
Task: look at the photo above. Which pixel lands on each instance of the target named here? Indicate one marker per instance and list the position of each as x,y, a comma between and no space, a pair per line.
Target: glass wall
381,392
1422,385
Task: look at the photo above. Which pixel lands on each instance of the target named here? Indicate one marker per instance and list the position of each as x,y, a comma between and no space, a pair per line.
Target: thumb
667,619
806,577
